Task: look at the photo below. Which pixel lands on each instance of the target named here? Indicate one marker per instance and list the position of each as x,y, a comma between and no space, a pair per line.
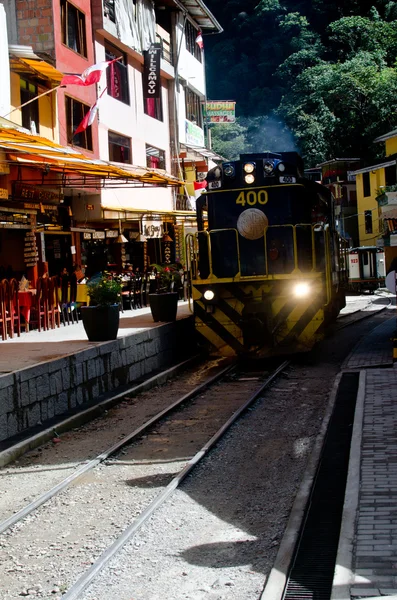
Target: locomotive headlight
281,167
301,290
249,167
268,168
209,295
249,178
217,173
228,170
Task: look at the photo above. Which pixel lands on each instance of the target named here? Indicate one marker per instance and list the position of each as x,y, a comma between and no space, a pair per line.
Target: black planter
101,323
164,306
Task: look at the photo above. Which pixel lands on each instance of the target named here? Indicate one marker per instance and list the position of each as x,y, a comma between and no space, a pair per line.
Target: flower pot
101,323
164,306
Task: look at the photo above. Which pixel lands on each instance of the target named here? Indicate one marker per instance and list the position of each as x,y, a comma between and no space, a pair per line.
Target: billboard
219,111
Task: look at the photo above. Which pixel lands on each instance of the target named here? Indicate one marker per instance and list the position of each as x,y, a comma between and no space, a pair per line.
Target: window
368,221
153,108
390,175
119,148
30,113
366,184
75,113
73,28
155,158
191,34
193,107
117,75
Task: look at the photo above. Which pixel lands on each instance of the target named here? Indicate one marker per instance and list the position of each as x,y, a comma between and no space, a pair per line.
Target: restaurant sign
152,229
194,135
219,111
3,194
24,191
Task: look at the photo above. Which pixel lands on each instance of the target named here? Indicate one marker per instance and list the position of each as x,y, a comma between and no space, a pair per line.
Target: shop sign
87,236
24,191
112,233
152,229
151,72
89,207
194,135
98,235
3,194
221,111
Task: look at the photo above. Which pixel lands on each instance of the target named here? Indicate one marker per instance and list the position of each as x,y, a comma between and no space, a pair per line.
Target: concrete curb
14,452
343,576
276,582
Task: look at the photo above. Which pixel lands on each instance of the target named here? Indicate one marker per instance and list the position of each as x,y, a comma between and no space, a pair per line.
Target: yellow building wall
377,179
48,123
190,174
391,146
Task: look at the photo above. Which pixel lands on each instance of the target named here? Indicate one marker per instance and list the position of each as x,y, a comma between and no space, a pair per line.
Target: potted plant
101,317
164,302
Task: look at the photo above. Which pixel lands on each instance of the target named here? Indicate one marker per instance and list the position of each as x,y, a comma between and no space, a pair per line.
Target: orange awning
35,67
24,148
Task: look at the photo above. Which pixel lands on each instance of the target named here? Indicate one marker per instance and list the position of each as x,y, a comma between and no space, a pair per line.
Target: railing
164,38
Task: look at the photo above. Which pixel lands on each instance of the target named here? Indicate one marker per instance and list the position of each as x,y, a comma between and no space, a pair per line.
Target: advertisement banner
151,72
220,111
194,135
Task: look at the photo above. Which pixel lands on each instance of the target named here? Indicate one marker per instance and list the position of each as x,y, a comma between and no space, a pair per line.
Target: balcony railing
164,38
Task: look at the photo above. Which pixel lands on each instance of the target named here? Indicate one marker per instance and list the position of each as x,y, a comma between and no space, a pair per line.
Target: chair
41,310
3,310
68,299
127,294
54,312
14,307
137,293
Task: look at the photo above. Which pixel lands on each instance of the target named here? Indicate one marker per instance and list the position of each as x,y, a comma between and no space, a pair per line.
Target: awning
125,213
31,150
201,14
25,62
201,151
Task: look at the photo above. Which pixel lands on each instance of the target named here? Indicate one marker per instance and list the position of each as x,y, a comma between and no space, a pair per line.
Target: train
265,267
366,269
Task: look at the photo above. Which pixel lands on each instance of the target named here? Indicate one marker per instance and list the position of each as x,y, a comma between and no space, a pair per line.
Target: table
25,304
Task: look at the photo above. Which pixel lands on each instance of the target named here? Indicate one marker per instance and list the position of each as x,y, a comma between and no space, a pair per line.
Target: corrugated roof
201,14
38,151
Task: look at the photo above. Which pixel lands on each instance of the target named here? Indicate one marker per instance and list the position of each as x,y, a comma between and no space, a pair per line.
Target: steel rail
84,581
24,512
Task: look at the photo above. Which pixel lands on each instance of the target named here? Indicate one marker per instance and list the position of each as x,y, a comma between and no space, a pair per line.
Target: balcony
164,38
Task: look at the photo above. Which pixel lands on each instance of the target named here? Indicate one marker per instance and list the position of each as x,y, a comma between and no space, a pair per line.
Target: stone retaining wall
35,395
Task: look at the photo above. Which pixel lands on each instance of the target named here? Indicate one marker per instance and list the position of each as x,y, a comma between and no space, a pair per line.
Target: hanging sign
24,191
152,229
151,72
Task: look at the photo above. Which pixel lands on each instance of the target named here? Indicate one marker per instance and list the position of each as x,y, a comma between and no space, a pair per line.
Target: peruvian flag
89,76
199,40
90,116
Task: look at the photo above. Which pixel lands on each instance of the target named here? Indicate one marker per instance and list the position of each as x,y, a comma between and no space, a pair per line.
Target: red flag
198,185
90,76
89,116
199,40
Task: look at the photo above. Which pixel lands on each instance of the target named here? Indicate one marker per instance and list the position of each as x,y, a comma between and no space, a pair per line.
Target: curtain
127,26
146,21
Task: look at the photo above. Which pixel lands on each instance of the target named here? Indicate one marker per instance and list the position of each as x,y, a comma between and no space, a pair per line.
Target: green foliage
104,291
166,274
325,69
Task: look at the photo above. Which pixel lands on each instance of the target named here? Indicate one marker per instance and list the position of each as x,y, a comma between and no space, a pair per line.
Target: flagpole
32,100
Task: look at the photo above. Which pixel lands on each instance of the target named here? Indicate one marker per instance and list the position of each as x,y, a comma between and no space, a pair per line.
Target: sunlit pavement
35,347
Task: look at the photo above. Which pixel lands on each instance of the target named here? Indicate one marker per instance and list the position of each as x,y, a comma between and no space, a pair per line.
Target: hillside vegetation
319,77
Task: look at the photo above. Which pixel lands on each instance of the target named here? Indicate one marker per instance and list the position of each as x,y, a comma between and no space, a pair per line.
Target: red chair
14,307
3,310
42,312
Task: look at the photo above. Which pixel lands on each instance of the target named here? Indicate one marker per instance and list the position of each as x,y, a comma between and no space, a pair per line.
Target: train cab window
366,185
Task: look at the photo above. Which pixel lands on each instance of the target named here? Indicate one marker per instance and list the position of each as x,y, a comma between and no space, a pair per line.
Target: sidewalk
36,347
367,555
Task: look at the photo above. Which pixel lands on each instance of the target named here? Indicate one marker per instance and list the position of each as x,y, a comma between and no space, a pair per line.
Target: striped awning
32,150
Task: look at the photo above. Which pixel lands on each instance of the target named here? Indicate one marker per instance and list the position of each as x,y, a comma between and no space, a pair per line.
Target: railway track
203,415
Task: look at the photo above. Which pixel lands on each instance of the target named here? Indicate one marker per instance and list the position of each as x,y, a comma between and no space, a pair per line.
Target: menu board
31,254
